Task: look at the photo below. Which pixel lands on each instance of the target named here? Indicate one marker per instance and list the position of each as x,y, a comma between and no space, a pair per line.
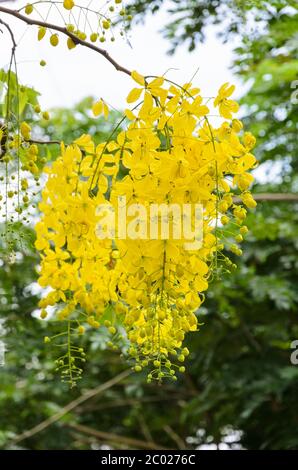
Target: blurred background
240,388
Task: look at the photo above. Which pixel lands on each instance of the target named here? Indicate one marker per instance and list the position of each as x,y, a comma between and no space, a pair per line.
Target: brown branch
271,197
175,437
70,406
60,29
107,436
43,142
130,402
14,44
276,197
144,427
249,336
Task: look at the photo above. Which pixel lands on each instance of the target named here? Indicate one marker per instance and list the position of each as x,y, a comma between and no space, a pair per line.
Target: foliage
270,61
189,18
239,374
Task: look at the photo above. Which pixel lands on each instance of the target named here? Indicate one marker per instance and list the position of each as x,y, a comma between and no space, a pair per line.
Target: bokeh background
240,388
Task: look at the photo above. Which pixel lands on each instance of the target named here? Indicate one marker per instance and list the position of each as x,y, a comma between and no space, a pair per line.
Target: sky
72,75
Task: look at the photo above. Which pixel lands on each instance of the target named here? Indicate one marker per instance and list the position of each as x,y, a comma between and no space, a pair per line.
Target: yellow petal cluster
169,153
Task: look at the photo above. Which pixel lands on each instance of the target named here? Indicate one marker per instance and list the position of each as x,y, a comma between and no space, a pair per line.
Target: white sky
72,75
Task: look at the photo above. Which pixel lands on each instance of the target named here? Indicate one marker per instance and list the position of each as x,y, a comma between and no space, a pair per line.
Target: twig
43,142
251,339
271,197
144,427
130,402
14,44
73,404
276,197
103,435
76,40
174,436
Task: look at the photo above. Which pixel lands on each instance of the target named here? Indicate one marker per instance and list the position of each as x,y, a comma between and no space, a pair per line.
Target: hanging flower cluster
22,153
21,160
100,26
169,155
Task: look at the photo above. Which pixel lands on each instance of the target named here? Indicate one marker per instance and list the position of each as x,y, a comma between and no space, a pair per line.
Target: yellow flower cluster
170,154
99,27
77,266
21,159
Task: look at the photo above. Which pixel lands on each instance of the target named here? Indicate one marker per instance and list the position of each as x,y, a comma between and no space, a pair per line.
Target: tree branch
14,44
44,142
70,406
271,197
276,197
175,437
130,402
60,29
107,436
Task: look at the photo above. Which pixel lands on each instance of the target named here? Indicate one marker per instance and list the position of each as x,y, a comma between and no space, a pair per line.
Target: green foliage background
239,376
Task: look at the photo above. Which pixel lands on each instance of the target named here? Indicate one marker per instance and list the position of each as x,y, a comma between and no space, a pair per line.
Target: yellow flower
68,4
70,43
54,40
25,130
41,32
138,78
168,154
100,107
226,106
28,9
